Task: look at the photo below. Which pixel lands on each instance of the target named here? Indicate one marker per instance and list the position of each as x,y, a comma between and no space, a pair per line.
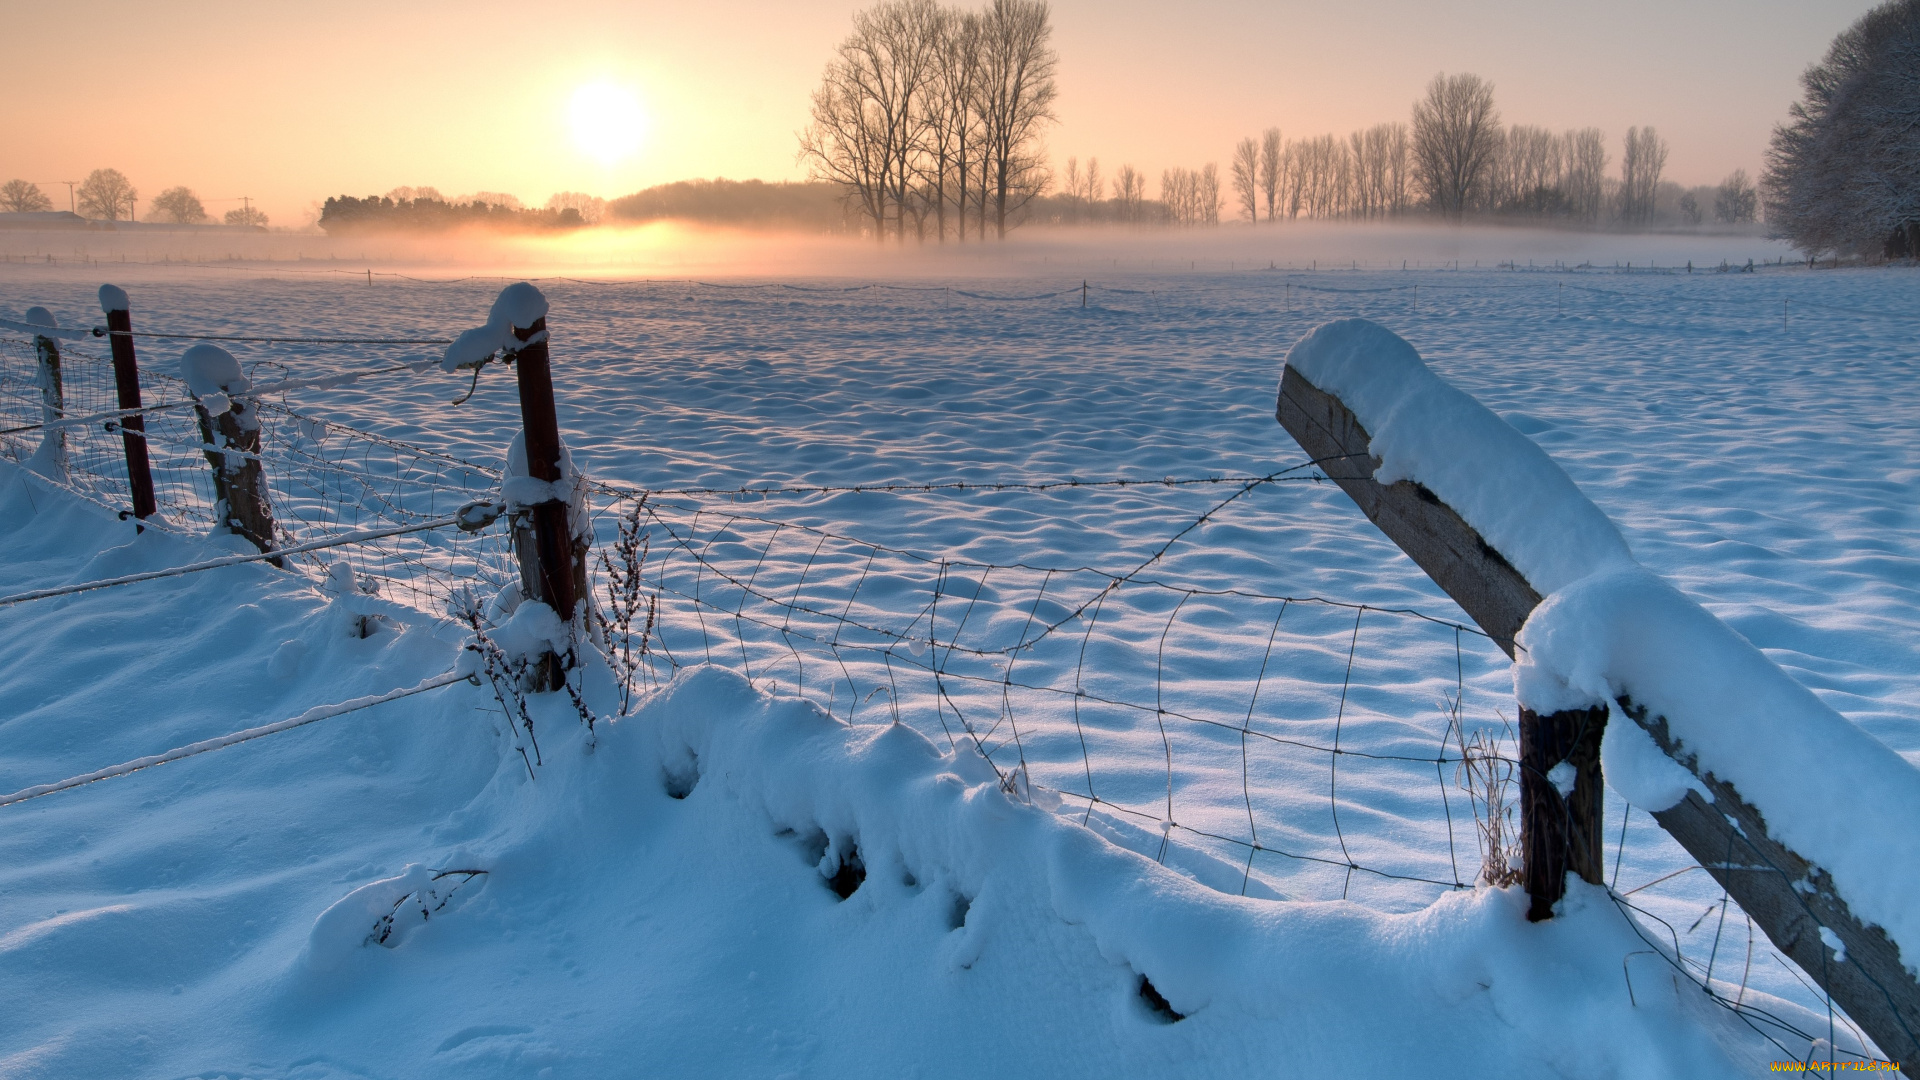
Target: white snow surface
39,316
114,298
164,923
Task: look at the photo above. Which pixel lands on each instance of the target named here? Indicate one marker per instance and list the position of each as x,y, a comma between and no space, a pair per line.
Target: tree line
1454,159
929,119
107,195
424,209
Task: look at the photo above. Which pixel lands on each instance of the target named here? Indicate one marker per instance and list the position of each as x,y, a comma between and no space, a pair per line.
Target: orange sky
290,102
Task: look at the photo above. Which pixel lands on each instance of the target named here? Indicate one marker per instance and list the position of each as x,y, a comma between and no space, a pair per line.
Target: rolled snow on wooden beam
1810,823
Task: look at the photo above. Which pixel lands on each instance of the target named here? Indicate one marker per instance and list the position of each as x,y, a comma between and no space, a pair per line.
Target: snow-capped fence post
230,439
552,566
1560,782
1794,899
126,379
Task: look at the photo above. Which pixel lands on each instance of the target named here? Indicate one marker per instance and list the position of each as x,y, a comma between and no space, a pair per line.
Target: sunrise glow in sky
291,102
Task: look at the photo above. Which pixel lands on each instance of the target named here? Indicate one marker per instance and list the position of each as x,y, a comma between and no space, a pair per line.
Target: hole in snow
681,782
907,879
1157,1005
957,915
850,874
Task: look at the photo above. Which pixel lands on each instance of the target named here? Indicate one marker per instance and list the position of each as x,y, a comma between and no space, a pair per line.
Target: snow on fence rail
1803,818
1287,746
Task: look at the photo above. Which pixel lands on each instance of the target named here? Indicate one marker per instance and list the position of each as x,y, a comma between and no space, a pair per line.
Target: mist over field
673,249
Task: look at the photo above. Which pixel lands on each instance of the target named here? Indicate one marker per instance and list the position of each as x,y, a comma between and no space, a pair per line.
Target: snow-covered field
1751,435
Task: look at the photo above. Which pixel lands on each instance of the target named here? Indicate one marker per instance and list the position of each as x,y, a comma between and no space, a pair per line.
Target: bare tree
1640,165
1535,166
1736,201
865,117
1130,192
1455,130
246,215
1272,173
1585,157
1092,187
1177,195
1246,178
22,197
1018,99
178,205
105,194
1207,193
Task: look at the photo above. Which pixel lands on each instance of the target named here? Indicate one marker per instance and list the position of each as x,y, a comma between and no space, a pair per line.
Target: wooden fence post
553,564
1790,897
53,398
126,380
230,438
1560,812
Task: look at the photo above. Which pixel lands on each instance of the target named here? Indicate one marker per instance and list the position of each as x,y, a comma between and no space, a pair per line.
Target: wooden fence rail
1789,896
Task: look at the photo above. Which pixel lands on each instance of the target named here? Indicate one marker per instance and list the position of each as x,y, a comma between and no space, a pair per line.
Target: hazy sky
289,102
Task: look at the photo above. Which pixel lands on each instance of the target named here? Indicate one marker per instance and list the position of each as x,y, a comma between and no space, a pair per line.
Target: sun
607,121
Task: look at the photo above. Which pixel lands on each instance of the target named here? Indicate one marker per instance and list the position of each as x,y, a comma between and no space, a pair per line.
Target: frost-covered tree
1456,133
1735,202
23,197
1843,173
178,205
106,194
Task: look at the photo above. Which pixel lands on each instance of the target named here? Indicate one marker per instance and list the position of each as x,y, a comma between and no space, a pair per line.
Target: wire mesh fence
325,480
1298,747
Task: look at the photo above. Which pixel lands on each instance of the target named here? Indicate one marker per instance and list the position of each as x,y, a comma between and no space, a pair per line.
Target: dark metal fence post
126,379
231,441
554,570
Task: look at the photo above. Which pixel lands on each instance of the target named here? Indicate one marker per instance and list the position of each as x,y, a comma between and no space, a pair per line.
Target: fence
1299,747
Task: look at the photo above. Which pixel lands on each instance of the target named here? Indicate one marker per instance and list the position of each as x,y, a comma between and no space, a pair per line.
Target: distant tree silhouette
923,107
1640,166
246,215
22,197
1455,137
178,205
1246,178
1736,202
105,194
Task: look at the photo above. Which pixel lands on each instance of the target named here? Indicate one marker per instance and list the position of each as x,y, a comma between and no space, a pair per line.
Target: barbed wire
943,638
